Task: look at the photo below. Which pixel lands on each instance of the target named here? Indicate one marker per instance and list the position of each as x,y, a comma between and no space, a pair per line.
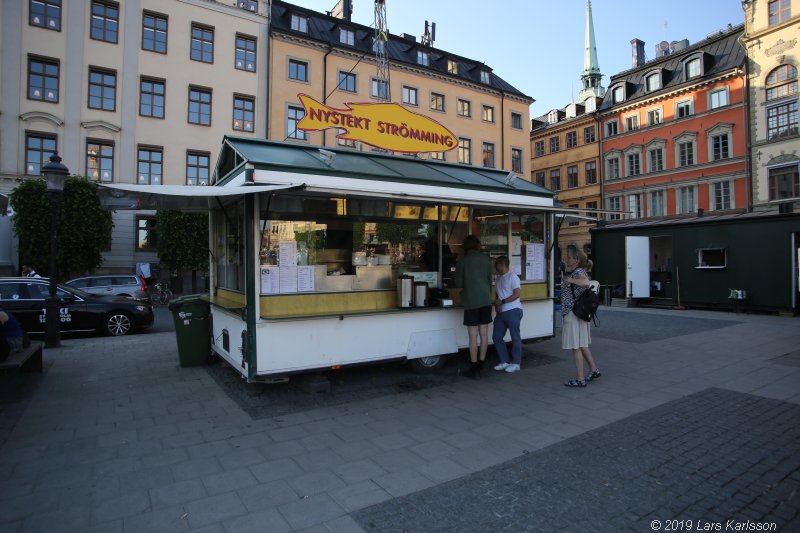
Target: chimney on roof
637,51
342,10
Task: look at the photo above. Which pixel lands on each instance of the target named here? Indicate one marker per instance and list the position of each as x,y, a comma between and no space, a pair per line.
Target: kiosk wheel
427,365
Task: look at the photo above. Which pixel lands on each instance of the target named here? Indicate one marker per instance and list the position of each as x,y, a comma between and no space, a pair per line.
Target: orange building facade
674,133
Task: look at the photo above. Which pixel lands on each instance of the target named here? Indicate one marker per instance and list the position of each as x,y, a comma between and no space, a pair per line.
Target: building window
199,106
711,258
102,90
439,156
486,77
784,183
614,203
656,204
245,58
516,160
632,123
635,206
692,68
151,97
380,89
487,114
653,82
249,5
202,44
588,135
590,208
146,238
197,168
149,165
423,58
538,148
779,11
613,168
683,109
555,144
684,146
488,155
718,98
782,120
343,141
409,95
38,149
655,159
298,70
452,66
654,117
437,102
612,128
686,200
347,81
722,195
719,147
43,75
154,33
347,36
299,23
293,117
45,14
464,151
618,94
105,21
464,108
572,139
555,179
516,120
591,173
572,177
573,222
100,161
634,167
782,82
540,179
243,109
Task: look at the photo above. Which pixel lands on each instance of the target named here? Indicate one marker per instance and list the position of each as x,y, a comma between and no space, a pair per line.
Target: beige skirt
575,333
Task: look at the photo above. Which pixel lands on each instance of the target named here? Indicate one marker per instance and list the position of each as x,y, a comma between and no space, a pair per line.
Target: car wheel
118,323
427,365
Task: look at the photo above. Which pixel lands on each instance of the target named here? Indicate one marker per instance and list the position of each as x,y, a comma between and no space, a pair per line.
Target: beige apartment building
770,38
142,91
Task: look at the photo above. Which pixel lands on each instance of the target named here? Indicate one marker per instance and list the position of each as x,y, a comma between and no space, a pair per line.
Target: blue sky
537,45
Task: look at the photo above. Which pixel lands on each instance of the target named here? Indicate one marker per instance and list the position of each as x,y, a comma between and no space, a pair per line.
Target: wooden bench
28,359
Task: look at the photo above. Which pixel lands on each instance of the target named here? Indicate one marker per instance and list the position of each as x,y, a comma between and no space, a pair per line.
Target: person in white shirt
509,315
29,272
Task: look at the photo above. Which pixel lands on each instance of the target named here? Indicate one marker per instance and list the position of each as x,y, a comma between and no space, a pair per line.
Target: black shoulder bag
585,306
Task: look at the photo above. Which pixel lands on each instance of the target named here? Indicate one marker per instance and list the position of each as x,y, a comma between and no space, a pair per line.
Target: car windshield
72,290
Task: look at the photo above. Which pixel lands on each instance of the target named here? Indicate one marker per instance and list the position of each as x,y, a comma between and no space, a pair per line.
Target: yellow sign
383,125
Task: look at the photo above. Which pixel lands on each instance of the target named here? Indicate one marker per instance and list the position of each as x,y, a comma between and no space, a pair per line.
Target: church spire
591,76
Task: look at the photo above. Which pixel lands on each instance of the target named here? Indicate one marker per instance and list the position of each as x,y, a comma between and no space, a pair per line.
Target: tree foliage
182,240
83,228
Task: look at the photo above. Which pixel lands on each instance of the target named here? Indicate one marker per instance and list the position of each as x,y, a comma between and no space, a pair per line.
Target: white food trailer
308,245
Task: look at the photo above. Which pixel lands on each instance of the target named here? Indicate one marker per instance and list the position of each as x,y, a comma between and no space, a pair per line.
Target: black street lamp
55,173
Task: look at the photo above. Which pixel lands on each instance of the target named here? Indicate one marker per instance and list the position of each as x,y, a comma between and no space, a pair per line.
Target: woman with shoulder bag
575,333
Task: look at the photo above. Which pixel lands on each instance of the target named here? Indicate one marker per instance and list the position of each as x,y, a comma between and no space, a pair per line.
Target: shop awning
125,196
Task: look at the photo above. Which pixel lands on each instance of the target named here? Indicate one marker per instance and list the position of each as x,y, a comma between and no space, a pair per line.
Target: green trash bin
191,317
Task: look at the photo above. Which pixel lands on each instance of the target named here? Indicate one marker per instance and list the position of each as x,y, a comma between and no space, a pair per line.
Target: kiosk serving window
229,246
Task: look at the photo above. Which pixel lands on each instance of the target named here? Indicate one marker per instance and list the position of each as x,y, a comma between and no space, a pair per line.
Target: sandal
593,375
575,383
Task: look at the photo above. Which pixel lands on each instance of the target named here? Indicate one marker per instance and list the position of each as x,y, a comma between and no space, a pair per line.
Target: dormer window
653,82
486,77
299,23
693,68
552,117
248,5
347,36
423,58
452,66
618,94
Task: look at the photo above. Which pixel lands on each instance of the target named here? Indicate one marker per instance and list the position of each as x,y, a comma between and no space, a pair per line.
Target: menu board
270,283
287,253
534,262
305,278
288,277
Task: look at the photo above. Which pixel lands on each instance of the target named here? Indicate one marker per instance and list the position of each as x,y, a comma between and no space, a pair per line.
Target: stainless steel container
420,294
405,291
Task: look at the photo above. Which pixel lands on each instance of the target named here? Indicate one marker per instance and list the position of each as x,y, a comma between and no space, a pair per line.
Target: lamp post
55,173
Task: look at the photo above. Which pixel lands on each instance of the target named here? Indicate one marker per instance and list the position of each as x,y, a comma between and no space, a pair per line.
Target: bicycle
161,294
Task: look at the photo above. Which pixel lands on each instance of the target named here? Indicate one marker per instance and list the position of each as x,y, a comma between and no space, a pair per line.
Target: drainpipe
748,145
325,84
601,168
502,129
268,66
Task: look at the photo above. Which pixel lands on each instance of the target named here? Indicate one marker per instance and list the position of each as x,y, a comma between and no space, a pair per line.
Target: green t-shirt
474,275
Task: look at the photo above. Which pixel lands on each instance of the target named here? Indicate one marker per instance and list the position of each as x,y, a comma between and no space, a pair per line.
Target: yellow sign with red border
384,125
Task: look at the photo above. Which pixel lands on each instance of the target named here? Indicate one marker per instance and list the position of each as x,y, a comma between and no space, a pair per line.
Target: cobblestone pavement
697,424
712,457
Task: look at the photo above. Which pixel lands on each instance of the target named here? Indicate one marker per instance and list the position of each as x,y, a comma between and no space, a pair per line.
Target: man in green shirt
474,274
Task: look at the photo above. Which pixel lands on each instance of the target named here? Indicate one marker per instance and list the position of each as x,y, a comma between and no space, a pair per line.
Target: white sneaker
502,366
512,368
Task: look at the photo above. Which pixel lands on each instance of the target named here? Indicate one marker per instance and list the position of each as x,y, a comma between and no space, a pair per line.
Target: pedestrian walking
508,309
474,276
575,333
29,272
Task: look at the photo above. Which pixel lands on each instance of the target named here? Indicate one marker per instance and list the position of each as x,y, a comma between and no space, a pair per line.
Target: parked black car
80,311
